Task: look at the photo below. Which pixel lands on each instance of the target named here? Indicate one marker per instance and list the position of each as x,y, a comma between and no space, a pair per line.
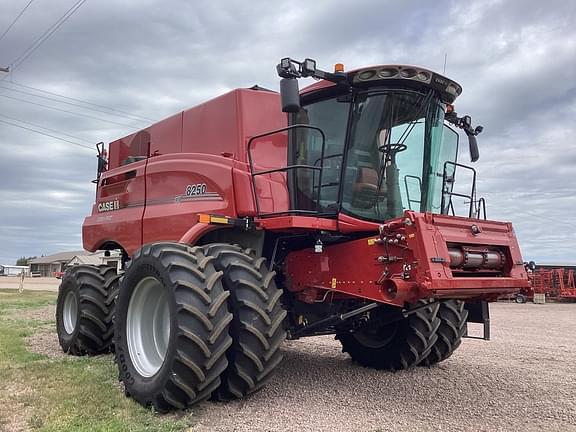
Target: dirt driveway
30,283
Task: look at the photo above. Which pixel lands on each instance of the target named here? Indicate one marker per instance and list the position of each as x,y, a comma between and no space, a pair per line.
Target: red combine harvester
556,283
259,216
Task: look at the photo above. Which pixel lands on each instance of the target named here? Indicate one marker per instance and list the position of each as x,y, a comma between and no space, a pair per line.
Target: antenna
445,61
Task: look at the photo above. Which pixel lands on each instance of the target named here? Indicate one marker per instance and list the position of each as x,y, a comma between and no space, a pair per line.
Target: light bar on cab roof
411,74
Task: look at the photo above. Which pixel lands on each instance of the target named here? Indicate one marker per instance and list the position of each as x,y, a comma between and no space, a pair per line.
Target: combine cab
259,216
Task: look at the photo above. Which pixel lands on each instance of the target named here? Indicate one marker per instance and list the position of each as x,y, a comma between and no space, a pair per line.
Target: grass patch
13,351
84,395
63,395
11,300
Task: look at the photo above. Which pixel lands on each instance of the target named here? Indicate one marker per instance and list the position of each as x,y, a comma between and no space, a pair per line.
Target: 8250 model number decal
196,189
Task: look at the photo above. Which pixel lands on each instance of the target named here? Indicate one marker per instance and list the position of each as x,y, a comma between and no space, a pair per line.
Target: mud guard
479,312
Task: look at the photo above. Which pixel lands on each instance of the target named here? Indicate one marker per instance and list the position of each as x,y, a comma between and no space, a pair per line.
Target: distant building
14,270
55,265
110,258
50,265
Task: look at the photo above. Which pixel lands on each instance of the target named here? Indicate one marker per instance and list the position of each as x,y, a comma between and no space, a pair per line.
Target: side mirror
290,95
473,146
465,123
471,133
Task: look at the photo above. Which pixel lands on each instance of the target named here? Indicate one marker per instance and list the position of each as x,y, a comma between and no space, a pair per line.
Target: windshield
397,147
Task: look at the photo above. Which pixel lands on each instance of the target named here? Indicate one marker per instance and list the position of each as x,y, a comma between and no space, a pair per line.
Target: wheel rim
70,312
376,337
148,326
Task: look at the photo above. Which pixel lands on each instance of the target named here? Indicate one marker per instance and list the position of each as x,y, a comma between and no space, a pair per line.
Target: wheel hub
70,312
148,326
376,336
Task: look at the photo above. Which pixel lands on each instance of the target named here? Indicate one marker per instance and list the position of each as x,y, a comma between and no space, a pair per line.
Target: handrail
451,179
287,168
481,208
406,177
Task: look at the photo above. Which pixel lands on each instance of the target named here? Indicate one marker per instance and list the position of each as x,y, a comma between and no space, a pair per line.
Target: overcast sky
516,61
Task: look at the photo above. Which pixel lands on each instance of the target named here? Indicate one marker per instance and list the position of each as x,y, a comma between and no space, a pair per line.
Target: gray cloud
150,58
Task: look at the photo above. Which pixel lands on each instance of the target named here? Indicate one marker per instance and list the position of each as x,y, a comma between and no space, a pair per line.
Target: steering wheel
392,148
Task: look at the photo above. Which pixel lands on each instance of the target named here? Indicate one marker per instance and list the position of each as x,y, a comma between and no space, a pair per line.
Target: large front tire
453,317
258,325
85,308
397,346
172,325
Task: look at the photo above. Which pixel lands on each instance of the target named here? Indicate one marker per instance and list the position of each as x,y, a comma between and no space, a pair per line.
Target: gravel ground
524,379
44,340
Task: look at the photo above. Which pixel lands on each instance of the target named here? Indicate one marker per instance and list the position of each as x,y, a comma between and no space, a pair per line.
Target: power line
16,19
44,36
69,103
80,100
66,111
42,127
43,133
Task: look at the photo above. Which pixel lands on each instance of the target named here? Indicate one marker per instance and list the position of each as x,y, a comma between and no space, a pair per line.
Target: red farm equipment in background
257,216
555,282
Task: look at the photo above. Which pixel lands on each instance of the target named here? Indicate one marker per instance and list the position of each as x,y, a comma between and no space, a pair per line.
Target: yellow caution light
338,67
219,220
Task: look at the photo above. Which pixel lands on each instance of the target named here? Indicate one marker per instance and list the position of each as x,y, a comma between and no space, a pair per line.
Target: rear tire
258,326
85,308
397,346
452,328
171,326
520,298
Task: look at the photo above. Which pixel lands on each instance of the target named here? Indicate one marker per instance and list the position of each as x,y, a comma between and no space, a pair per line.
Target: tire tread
202,320
453,317
412,341
96,288
256,328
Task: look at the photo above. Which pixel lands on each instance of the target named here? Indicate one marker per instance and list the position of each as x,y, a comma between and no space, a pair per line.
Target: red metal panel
350,268
166,136
410,260
245,205
260,113
118,151
216,132
224,124
171,207
212,127
270,153
296,222
117,214
348,224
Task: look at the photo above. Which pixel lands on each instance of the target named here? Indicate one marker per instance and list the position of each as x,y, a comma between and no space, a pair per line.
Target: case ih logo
107,206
